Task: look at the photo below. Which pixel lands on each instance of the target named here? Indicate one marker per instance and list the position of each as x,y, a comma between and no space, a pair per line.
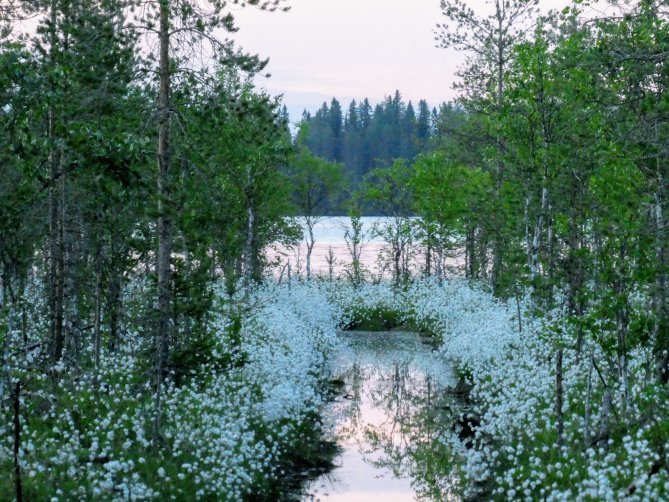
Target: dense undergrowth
616,432
246,402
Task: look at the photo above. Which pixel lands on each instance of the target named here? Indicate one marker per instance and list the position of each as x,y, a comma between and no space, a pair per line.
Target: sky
353,49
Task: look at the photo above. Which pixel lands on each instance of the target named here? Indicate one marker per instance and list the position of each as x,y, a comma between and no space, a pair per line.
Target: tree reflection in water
393,423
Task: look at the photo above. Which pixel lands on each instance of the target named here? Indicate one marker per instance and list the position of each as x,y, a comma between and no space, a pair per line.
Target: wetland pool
392,420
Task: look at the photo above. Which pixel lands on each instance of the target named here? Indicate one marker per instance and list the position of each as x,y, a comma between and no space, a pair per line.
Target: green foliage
388,190
316,183
448,194
373,319
355,239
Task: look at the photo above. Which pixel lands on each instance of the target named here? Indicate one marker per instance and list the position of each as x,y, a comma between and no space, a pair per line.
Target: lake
330,246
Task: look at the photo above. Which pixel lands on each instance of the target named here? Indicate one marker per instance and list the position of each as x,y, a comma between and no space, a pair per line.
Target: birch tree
316,182
488,39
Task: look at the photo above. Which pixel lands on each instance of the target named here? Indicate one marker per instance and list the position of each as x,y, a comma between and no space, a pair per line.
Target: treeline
363,137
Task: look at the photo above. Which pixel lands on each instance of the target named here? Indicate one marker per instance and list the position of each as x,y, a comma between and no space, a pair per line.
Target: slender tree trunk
397,255
5,378
115,280
467,257
3,280
248,246
483,254
331,262
518,310
428,254
310,245
588,407
98,308
622,326
550,239
499,175
406,260
661,304
574,266
495,276
536,239
164,218
470,253
528,240
24,314
56,257
605,416
65,286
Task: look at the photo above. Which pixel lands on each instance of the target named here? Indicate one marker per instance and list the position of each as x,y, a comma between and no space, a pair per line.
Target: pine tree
365,115
321,139
352,143
351,122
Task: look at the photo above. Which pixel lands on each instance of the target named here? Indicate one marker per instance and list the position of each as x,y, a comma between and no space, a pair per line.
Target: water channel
392,421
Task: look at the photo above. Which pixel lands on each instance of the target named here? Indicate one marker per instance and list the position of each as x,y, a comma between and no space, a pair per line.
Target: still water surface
390,421
330,242
331,256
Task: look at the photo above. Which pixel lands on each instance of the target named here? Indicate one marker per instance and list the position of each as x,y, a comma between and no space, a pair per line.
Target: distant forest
365,137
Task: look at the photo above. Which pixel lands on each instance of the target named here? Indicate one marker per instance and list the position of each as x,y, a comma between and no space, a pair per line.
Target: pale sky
353,49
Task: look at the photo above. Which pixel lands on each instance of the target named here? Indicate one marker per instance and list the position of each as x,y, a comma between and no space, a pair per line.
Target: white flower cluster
222,433
510,359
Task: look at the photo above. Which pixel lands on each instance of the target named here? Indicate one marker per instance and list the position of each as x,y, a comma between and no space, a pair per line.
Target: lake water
330,245
331,230
390,422
331,253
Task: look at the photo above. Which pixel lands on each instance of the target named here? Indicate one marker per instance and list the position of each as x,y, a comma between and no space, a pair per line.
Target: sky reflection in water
387,421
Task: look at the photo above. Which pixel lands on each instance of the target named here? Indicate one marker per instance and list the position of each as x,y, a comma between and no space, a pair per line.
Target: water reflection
393,422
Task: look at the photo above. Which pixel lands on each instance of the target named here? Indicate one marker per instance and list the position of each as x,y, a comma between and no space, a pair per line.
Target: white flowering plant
244,408
226,431
509,356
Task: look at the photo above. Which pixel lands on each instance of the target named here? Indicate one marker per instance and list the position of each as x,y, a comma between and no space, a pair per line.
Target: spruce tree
337,127
423,126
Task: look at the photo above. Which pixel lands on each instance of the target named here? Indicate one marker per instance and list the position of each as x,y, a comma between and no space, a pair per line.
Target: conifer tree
336,121
423,126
